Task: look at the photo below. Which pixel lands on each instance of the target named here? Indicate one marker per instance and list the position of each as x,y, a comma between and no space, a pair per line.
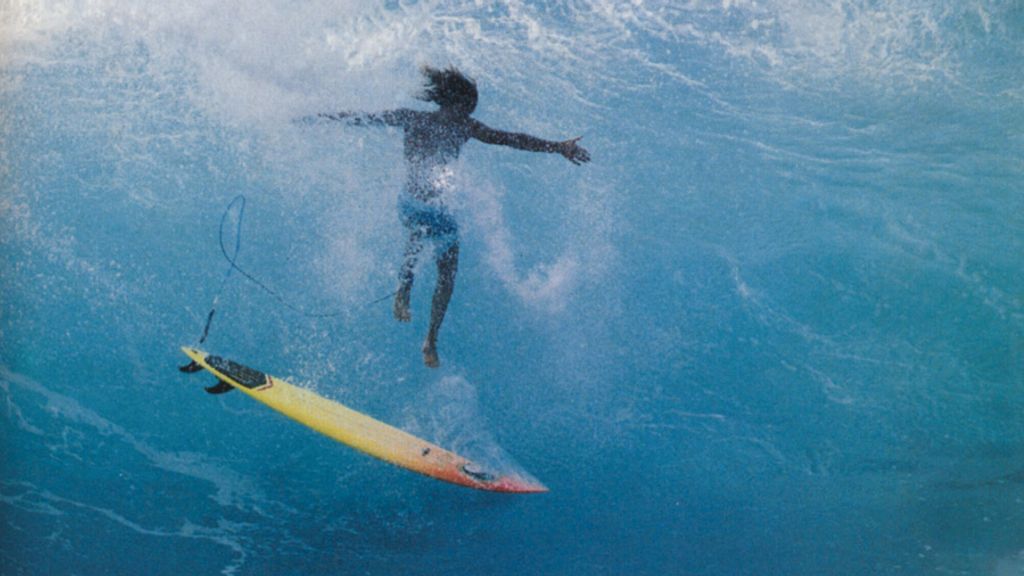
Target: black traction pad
247,377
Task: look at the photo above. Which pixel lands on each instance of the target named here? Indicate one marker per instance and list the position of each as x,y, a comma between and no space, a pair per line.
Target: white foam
447,412
232,489
28,497
584,257
256,60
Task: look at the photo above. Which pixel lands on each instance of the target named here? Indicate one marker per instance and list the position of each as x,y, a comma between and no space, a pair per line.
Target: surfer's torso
432,140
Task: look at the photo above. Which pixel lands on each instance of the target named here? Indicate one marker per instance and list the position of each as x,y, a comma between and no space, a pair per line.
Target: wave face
775,327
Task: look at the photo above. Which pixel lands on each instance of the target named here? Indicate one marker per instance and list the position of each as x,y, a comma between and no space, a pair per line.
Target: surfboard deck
356,429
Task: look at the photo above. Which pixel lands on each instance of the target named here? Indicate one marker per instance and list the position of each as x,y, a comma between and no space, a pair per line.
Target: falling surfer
432,140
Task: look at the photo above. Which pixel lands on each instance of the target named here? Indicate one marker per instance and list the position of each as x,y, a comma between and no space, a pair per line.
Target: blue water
775,327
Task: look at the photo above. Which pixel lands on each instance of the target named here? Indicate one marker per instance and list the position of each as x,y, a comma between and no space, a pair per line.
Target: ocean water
775,327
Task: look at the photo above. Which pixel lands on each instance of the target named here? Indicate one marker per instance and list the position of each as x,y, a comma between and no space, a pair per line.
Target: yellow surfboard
356,429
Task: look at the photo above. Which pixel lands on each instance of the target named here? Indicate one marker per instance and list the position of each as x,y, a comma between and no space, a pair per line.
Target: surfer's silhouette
432,140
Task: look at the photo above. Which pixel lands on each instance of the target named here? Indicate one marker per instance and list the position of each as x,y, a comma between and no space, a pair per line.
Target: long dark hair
448,88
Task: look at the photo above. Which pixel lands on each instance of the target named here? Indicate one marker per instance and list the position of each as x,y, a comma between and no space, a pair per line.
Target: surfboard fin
219,388
190,368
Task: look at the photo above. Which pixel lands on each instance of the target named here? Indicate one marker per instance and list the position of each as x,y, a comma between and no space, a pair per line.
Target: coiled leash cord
238,204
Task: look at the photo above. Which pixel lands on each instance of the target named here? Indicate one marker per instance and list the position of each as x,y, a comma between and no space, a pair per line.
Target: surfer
432,140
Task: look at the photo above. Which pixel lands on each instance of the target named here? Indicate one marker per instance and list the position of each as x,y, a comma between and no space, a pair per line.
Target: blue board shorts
433,220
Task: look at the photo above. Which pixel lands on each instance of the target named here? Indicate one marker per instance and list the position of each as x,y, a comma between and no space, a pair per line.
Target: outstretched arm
568,148
397,117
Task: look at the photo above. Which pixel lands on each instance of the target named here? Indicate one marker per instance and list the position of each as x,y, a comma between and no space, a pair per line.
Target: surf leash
237,205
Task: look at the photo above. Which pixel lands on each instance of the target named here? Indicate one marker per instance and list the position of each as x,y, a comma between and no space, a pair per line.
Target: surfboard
355,429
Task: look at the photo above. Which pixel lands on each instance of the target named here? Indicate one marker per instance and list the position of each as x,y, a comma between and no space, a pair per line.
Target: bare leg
447,266
405,276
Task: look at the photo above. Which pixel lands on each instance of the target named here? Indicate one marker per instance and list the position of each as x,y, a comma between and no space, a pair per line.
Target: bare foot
401,308
430,355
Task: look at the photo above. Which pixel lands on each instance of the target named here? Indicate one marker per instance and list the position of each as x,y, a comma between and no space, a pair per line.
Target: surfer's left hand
573,152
